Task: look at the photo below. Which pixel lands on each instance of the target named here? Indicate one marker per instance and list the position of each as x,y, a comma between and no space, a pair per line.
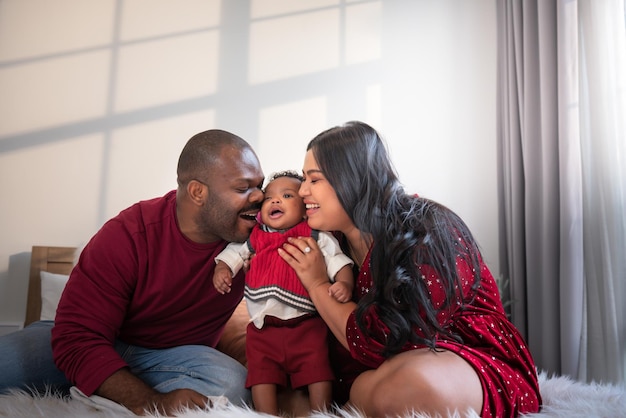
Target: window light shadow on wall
53,57
79,68
109,58
118,75
166,60
308,40
295,38
109,76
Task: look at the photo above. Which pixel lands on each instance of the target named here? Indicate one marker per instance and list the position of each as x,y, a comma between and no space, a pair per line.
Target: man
139,316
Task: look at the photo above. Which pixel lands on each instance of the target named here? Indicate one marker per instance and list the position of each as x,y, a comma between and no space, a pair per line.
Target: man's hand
127,389
169,403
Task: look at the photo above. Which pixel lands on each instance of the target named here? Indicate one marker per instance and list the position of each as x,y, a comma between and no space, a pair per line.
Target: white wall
98,97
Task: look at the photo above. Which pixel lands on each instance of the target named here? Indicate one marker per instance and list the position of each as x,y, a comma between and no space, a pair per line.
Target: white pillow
52,286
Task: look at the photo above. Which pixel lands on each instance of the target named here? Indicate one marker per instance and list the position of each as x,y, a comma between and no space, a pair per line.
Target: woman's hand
311,269
305,257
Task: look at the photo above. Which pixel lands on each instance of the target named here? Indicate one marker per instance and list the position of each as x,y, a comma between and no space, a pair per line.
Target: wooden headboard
58,260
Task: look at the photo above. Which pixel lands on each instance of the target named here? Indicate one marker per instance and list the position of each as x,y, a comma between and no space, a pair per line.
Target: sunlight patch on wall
306,119
363,32
165,71
291,46
144,18
53,92
291,39
51,176
374,105
155,146
265,8
32,28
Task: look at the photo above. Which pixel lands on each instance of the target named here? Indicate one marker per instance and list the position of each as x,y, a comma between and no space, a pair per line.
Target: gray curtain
562,184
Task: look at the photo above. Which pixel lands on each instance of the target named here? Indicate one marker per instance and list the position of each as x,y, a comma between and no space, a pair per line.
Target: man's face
234,196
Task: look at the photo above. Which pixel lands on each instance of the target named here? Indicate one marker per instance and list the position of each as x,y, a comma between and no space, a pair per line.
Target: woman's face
323,210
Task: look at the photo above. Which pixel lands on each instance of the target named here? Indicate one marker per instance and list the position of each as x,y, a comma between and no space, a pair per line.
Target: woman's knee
390,392
423,382
375,392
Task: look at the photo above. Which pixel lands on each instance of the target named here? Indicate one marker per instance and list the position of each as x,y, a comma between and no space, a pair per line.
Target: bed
562,396
57,260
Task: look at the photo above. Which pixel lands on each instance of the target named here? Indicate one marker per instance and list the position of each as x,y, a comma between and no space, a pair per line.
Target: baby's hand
222,278
340,291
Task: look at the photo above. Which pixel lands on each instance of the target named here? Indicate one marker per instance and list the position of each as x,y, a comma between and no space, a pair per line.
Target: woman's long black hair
408,231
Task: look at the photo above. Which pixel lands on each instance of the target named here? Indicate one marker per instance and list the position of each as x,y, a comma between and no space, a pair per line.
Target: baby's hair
285,173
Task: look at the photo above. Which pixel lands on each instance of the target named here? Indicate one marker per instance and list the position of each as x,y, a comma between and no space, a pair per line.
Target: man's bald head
201,153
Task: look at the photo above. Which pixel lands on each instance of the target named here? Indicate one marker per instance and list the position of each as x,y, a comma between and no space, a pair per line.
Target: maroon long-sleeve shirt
142,281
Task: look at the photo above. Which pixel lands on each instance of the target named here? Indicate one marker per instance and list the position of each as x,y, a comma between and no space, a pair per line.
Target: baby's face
282,208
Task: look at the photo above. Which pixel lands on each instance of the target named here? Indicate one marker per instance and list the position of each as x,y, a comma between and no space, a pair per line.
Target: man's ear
197,192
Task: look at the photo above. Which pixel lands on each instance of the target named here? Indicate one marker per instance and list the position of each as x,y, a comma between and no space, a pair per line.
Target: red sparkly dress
491,343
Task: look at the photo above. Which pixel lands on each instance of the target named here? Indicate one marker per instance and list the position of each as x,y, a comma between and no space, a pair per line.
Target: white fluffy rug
562,397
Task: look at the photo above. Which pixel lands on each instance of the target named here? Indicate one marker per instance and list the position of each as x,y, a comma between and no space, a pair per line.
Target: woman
427,331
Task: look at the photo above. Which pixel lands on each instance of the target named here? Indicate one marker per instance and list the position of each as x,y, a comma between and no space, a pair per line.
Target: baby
286,339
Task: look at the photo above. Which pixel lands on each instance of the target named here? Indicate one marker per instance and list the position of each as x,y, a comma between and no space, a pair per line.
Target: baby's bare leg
320,395
265,399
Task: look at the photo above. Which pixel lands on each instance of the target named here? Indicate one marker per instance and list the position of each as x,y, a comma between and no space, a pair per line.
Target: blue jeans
26,360
26,363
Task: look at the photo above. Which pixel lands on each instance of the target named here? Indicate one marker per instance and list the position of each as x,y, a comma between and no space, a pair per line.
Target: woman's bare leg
419,380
